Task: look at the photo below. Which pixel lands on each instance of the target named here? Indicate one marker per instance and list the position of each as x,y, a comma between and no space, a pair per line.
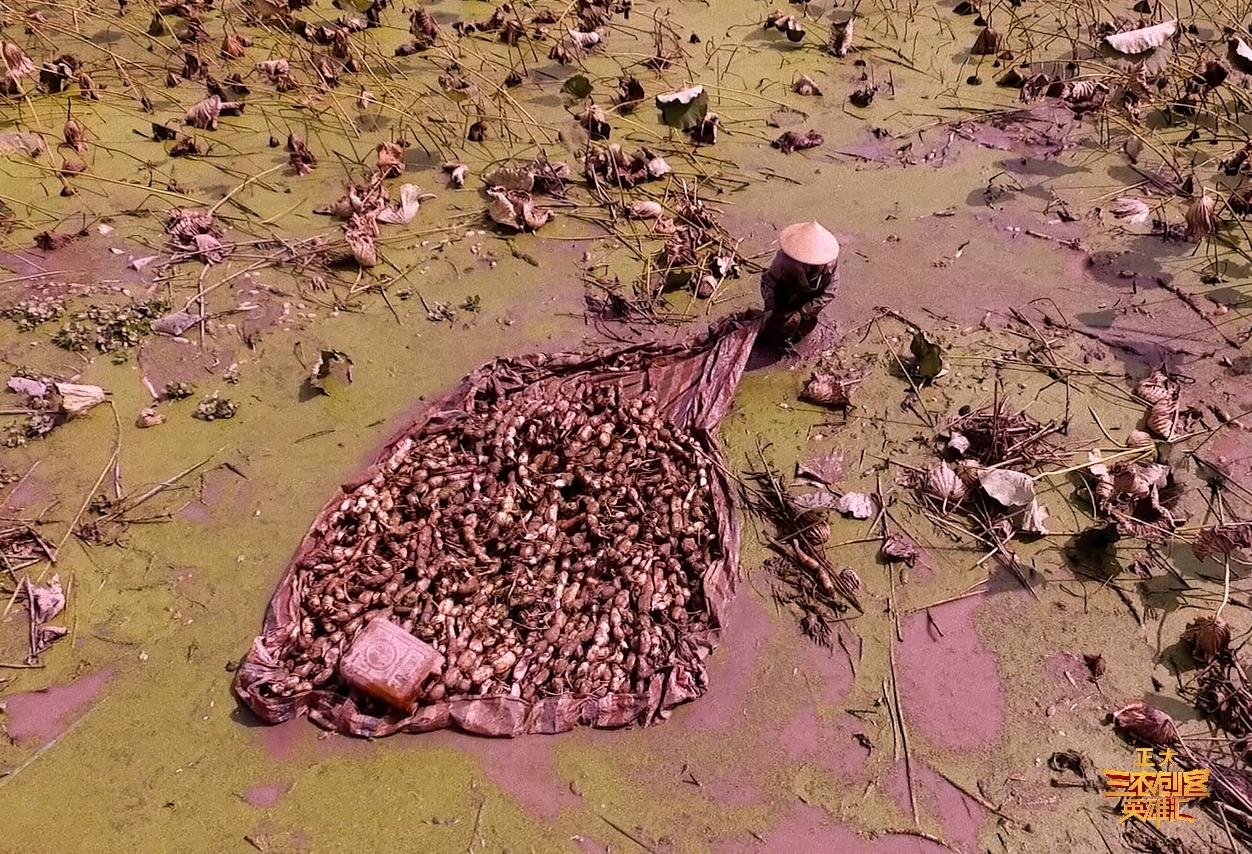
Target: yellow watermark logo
1156,793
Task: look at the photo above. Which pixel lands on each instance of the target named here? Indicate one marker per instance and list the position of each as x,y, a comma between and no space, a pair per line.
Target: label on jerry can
389,664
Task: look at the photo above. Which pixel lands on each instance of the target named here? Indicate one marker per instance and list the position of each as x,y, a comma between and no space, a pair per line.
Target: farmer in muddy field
799,283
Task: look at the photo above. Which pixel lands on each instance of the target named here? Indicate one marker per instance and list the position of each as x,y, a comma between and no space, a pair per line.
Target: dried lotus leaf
1034,519
858,505
403,212
1155,387
1146,724
1009,488
457,173
584,40
841,38
1239,54
647,209
75,136
848,581
1222,540
515,178
805,85
1162,419
987,43
899,548
685,108
205,114
826,389
1201,218
390,159
516,210
1207,636
1131,210
364,247
77,399
1142,40
943,483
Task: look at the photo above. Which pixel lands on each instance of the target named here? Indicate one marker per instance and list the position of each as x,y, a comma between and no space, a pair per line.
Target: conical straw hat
809,243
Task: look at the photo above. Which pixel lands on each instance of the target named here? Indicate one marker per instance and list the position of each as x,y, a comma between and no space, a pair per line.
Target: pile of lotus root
550,545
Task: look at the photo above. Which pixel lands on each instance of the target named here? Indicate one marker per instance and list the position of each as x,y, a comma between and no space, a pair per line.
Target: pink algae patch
950,688
731,669
830,747
41,716
959,816
806,737
523,767
265,796
828,669
283,741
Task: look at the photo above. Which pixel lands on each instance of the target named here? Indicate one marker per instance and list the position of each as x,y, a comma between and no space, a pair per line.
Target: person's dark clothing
794,296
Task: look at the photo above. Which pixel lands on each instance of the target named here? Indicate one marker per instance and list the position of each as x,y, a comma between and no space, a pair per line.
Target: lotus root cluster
550,542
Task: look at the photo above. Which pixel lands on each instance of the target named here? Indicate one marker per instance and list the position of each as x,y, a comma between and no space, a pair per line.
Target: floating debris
988,42
205,114
214,407
791,141
516,210
805,85
149,417
840,44
332,372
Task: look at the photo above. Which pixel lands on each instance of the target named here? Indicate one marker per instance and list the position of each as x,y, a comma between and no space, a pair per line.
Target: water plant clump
29,314
214,407
109,329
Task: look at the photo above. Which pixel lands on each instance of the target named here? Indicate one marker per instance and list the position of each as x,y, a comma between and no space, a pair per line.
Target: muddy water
156,755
